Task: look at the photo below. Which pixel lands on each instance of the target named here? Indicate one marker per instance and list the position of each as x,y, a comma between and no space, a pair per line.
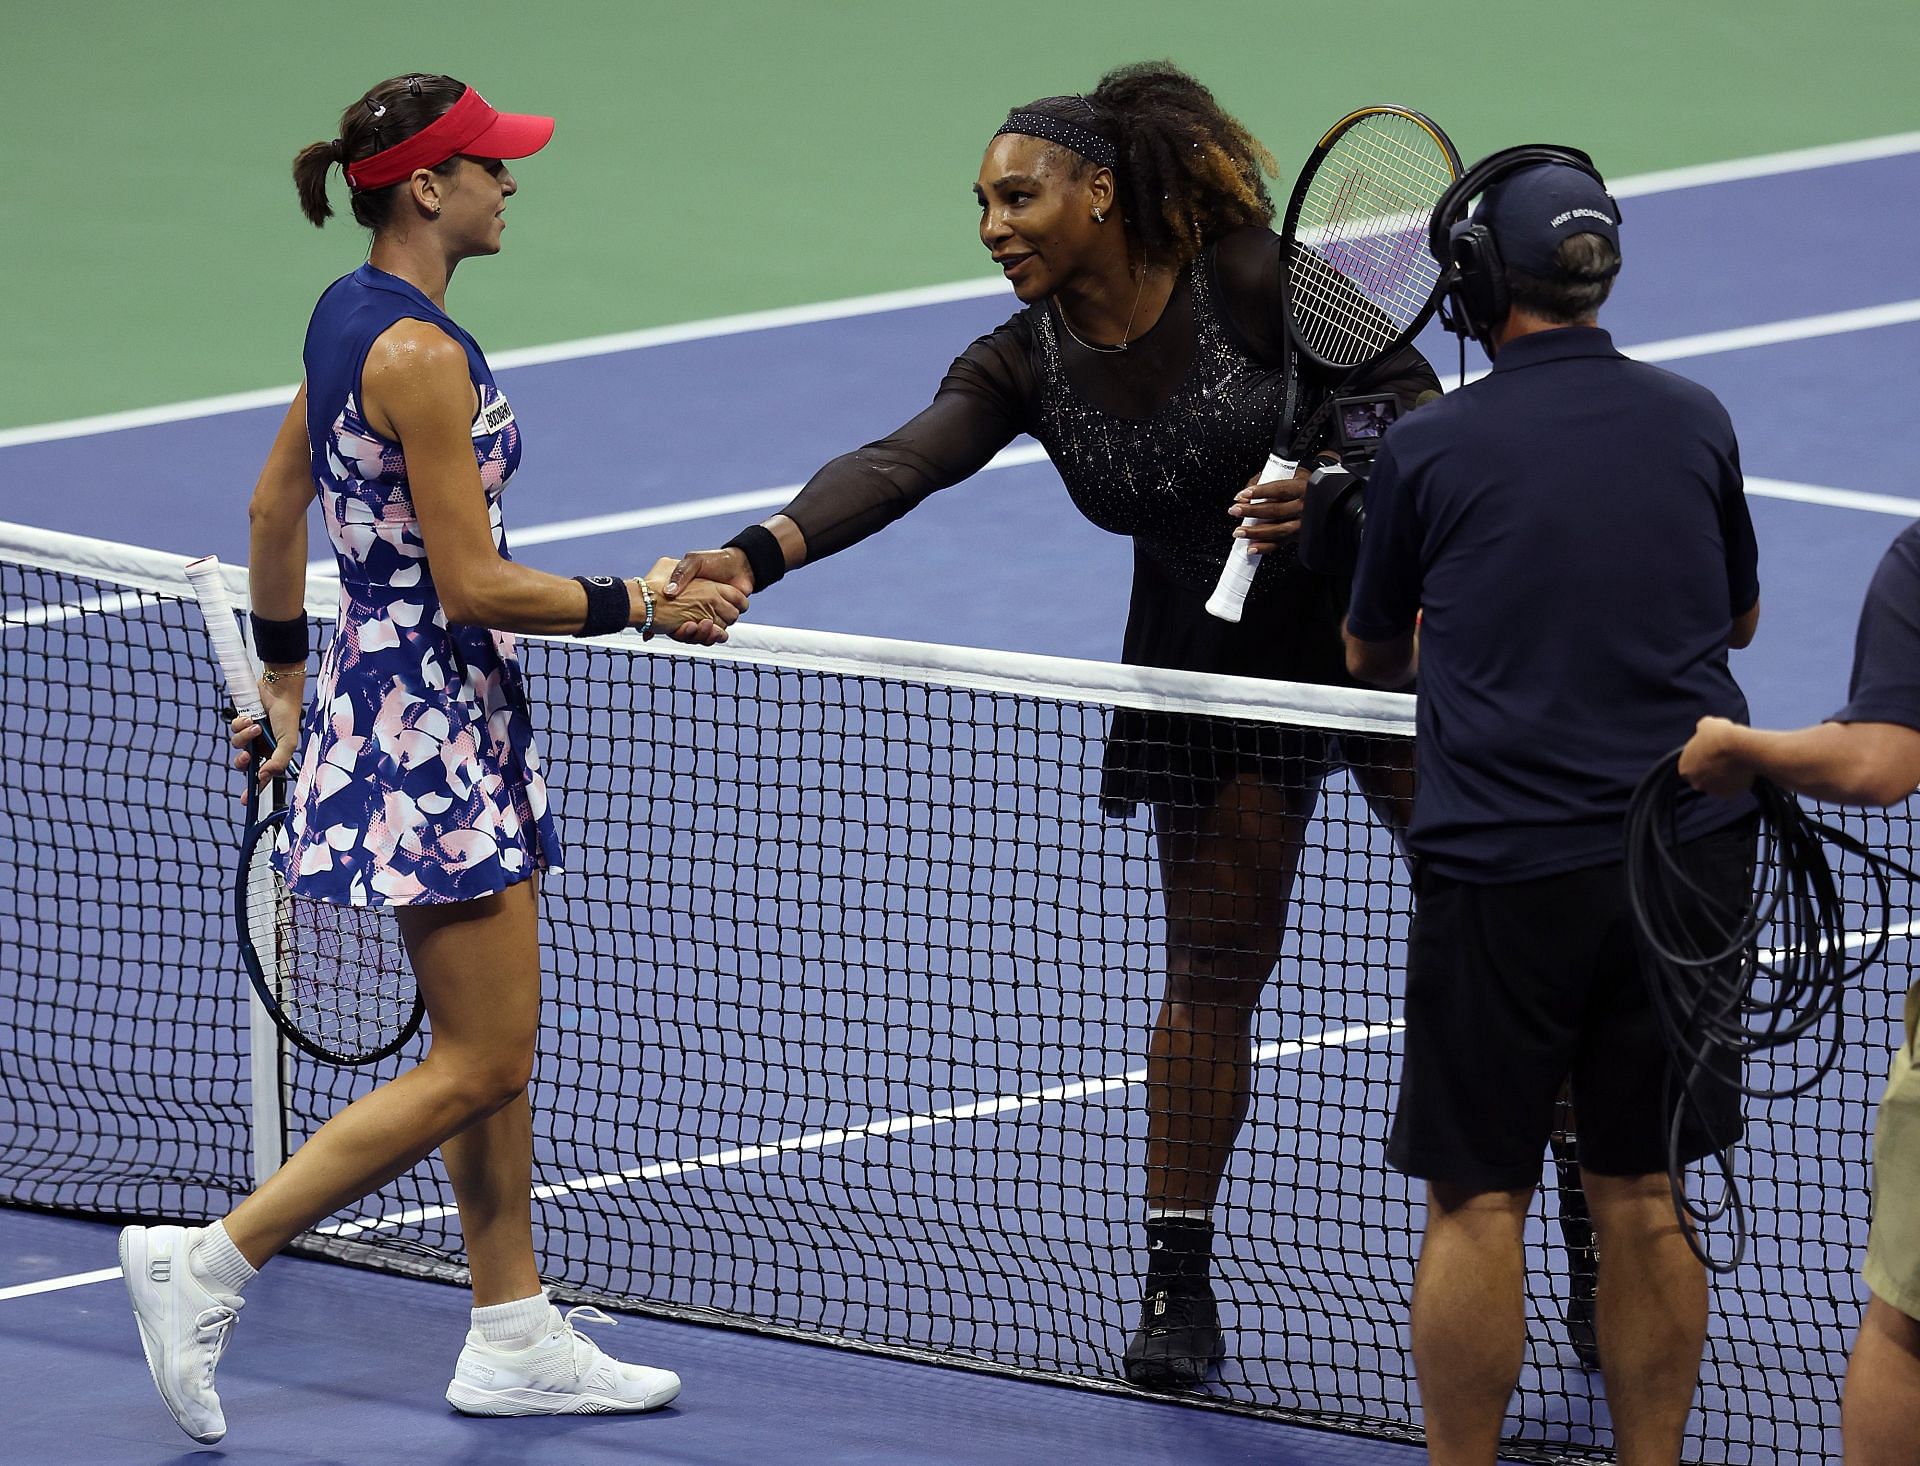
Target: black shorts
1512,990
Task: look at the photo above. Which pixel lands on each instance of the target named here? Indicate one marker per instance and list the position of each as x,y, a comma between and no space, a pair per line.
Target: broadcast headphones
1473,279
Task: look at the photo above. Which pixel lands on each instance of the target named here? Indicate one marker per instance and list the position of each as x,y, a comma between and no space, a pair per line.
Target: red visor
468,126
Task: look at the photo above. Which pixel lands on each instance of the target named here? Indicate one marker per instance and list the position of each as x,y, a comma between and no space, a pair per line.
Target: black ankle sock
1179,1251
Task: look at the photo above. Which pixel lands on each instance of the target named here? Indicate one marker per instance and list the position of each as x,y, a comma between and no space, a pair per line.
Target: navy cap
1532,211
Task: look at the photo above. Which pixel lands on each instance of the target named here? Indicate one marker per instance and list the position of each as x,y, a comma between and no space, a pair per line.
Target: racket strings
1400,183
1360,273
343,973
338,974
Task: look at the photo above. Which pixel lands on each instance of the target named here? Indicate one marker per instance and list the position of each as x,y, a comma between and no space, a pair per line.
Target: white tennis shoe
565,1373
184,1326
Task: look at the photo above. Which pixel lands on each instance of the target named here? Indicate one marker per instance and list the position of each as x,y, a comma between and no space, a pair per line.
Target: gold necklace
1125,336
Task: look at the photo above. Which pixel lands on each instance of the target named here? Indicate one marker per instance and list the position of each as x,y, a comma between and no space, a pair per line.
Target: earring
1098,217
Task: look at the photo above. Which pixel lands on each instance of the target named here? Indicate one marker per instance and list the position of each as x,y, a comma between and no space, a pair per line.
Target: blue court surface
1813,343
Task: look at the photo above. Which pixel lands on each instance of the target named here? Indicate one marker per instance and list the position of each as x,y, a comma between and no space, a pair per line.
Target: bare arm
277,581
1845,763
1383,663
277,520
1744,626
417,391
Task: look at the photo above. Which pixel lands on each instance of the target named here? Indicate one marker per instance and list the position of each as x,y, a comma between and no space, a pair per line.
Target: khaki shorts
1893,1243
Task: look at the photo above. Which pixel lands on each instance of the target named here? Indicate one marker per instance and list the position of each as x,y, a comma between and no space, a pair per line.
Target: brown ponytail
388,114
310,177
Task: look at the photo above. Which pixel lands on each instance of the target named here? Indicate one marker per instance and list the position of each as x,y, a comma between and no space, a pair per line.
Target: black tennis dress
1153,442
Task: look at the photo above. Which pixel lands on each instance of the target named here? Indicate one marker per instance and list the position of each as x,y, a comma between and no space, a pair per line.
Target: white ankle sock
515,1325
217,1263
1163,1213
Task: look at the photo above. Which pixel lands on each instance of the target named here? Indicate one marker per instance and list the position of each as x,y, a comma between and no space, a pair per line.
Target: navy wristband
279,643
765,559
609,605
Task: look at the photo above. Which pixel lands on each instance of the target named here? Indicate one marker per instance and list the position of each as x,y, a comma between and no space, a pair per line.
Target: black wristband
765,559
609,605
279,643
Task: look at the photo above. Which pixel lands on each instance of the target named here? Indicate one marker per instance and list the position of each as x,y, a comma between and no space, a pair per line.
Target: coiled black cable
1722,999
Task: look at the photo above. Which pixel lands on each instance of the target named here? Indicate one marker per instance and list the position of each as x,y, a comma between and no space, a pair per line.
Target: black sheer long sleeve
982,405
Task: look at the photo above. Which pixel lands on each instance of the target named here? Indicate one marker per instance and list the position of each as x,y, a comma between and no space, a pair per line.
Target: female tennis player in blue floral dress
421,782
421,789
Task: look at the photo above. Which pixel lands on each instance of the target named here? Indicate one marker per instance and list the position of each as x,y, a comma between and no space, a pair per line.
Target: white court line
1767,333
1766,165
767,320
725,505
1775,333
1678,348
1773,488
1854,941
56,614
824,1139
1669,180
1016,456
1069,1093
54,1285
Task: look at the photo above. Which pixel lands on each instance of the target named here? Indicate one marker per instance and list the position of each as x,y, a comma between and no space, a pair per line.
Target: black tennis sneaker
1178,1342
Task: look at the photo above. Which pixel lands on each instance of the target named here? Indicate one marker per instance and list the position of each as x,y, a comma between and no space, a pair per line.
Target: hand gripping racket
335,979
1359,280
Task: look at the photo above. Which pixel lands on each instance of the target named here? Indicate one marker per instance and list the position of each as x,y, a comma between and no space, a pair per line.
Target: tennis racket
334,979
1359,280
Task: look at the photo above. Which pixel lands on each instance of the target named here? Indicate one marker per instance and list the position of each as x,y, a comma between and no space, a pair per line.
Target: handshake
695,598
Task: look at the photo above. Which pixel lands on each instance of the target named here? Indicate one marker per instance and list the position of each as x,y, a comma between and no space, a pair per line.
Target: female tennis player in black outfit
1151,363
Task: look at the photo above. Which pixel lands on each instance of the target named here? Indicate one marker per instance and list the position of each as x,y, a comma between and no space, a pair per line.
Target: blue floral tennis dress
419,780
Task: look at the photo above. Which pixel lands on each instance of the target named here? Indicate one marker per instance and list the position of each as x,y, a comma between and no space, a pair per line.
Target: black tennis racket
1359,280
335,979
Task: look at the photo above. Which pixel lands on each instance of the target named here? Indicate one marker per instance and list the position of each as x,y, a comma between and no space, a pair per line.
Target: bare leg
478,968
490,1163
1383,768
1651,1313
1878,1419
1228,874
1469,1319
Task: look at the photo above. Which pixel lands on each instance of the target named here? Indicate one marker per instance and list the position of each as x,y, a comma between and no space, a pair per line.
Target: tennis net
849,984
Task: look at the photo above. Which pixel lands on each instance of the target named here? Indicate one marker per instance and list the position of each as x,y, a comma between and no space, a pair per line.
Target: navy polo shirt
1573,531
1886,651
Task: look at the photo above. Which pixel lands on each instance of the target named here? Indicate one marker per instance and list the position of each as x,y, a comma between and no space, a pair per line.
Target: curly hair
1189,171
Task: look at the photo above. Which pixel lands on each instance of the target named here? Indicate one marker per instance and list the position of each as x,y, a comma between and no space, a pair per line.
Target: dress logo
491,418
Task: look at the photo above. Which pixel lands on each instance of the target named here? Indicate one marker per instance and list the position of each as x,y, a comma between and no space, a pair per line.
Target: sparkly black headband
1082,140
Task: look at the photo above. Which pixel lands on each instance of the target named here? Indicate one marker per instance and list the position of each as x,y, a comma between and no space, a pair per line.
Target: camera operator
1570,537
1867,753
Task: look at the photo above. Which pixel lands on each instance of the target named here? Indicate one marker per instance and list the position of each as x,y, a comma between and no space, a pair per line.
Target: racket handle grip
1236,576
216,607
